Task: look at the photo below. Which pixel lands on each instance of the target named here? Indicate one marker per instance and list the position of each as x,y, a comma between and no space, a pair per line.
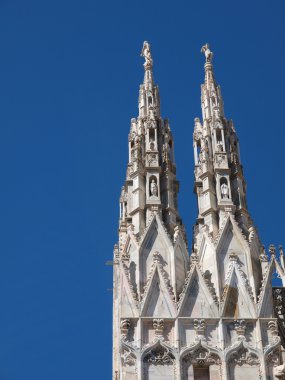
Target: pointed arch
196,299
200,344
159,361
237,300
239,345
155,240
129,307
265,301
157,300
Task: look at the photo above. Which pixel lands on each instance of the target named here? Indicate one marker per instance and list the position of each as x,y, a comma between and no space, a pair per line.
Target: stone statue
208,54
176,233
279,371
147,55
224,191
220,146
153,188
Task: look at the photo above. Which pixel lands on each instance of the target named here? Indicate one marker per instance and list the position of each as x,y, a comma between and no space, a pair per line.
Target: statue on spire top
147,55
208,53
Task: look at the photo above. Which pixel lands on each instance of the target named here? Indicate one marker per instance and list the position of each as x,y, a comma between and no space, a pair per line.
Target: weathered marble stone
201,314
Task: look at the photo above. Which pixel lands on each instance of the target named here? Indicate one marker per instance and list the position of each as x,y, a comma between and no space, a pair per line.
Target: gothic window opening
170,151
219,140
201,373
151,136
198,152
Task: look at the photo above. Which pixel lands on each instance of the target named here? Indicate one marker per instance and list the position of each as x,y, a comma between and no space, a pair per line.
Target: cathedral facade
202,311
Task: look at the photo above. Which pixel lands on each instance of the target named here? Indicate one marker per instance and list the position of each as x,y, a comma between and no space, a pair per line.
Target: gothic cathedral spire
207,315
151,185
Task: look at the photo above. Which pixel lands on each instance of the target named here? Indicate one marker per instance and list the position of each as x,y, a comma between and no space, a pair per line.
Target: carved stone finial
194,257
262,255
208,53
233,256
200,327
273,327
240,327
272,250
147,56
156,257
158,325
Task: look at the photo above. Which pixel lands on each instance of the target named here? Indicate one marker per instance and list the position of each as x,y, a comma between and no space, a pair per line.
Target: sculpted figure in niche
153,188
219,146
224,191
151,144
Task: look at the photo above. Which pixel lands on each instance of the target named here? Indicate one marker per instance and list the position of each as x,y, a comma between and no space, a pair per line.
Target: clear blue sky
69,78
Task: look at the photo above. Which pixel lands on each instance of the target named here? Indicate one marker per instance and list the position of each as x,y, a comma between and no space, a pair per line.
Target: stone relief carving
279,305
244,356
235,264
159,356
202,357
125,325
207,277
220,159
200,328
128,358
158,325
240,327
152,160
279,371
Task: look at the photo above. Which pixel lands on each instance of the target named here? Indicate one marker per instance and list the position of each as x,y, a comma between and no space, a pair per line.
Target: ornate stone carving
252,234
273,328
149,218
125,325
262,256
159,356
128,358
224,191
153,188
243,356
240,327
176,233
200,328
208,54
272,250
273,358
279,371
158,325
207,277
202,357
147,55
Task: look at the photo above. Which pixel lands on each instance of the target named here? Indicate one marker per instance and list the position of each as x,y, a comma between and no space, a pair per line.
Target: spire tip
147,56
208,53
